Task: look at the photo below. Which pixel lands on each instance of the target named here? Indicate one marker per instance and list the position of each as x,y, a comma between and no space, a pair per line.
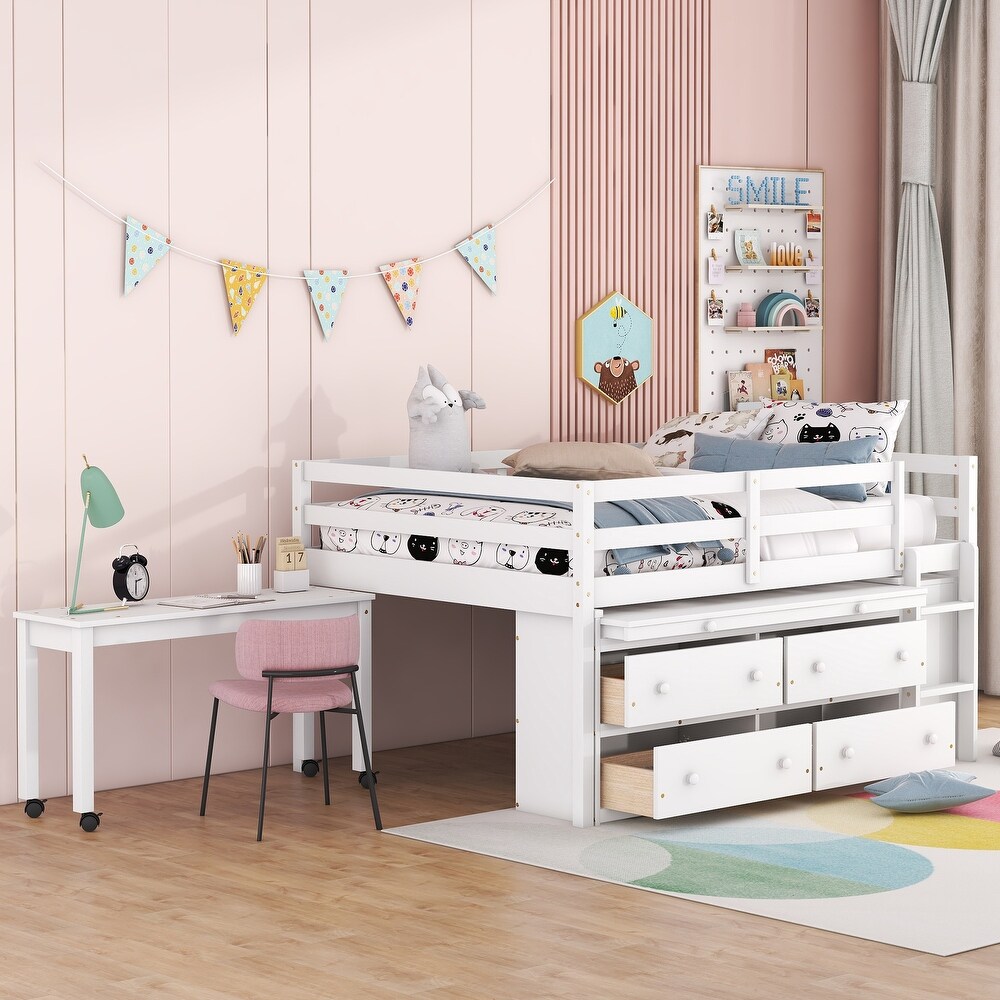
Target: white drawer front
730,770
853,660
870,747
677,684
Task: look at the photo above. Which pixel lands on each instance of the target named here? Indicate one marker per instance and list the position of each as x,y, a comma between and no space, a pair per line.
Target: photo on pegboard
812,309
716,223
814,225
716,308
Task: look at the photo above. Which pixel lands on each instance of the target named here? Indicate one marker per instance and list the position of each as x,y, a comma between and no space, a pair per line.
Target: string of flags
145,247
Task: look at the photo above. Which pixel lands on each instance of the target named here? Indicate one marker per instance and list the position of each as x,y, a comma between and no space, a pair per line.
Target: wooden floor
162,903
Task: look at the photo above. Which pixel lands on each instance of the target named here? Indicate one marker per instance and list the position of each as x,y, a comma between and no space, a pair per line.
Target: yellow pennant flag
243,282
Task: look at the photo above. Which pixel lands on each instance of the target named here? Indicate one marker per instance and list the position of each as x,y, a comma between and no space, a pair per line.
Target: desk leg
303,739
83,720
27,715
364,679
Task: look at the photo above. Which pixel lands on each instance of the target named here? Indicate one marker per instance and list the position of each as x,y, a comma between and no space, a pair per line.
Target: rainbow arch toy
781,309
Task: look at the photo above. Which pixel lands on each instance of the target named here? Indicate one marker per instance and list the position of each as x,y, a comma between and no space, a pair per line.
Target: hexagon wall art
614,347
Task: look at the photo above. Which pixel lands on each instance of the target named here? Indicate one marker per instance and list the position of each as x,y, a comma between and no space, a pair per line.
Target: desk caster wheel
310,768
363,779
34,808
89,822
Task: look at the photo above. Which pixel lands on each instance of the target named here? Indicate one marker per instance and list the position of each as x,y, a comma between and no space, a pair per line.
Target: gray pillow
714,453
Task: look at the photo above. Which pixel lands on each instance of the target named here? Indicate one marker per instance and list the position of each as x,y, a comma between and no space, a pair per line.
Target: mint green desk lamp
102,508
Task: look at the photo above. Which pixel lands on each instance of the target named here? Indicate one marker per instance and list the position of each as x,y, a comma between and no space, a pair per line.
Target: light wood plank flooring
162,903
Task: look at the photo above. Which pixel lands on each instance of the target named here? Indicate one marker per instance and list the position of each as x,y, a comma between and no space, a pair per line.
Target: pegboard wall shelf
737,198
765,267
772,329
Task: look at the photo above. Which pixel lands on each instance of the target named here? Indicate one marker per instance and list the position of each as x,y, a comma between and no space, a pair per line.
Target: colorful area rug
834,861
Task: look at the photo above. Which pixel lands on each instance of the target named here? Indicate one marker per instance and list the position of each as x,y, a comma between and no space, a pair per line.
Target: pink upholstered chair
294,666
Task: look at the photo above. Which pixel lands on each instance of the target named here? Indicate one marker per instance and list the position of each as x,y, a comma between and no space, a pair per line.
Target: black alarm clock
131,579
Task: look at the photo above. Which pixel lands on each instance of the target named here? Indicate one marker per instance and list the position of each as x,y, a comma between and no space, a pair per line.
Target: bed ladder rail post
967,702
967,492
752,562
897,534
301,495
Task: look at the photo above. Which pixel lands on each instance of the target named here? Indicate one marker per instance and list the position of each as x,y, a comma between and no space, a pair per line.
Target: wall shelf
773,329
773,267
755,205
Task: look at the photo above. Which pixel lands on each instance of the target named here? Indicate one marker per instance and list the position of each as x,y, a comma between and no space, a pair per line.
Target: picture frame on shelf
781,386
796,390
740,389
748,251
781,359
760,377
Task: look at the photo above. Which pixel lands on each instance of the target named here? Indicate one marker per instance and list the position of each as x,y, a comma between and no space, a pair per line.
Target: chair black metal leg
268,716
326,765
208,762
364,751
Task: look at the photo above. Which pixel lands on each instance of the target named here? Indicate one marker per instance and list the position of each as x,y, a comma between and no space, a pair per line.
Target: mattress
436,546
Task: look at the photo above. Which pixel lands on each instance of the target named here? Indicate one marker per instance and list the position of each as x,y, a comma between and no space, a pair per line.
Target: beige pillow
581,460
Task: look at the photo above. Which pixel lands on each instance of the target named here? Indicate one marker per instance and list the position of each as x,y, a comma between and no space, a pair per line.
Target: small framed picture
796,391
748,251
740,389
716,223
812,309
814,225
716,308
780,385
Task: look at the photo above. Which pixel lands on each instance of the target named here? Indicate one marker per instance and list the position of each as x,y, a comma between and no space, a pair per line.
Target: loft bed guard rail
555,595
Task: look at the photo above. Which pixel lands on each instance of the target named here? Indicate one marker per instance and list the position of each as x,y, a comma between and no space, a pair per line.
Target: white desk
150,621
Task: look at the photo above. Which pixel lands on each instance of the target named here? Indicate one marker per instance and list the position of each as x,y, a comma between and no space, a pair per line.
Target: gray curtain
921,355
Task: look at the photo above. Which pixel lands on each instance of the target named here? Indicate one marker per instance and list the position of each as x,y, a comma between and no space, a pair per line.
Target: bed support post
303,726
583,713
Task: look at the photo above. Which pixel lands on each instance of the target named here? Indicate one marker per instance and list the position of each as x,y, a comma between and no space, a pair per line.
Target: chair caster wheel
310,768
34,808
363,779
89,822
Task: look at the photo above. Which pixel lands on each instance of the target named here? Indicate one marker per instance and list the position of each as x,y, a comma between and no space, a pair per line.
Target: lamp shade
104,509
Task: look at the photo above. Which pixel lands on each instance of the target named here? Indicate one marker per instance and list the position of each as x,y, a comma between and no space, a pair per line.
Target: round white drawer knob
903,655
860,608
819,667
932,738
663,688
847,752
693,778
756,675
785,763
711,625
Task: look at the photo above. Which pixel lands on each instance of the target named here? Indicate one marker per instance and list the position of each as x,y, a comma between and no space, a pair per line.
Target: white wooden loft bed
568,627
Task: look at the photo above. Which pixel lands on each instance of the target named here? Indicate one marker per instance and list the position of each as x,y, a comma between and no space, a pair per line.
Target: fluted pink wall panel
629,106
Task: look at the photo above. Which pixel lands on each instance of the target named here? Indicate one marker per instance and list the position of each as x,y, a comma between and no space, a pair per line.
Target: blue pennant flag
480,253
143,248
326,289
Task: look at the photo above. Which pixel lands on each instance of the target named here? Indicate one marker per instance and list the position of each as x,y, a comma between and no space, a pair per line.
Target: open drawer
709,774
675,684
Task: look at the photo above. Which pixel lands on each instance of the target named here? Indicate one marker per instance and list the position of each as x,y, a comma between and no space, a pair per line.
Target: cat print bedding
435,546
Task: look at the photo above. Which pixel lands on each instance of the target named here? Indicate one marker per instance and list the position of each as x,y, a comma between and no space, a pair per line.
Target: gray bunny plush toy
439,434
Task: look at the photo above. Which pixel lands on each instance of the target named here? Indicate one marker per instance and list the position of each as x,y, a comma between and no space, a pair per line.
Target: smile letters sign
767,189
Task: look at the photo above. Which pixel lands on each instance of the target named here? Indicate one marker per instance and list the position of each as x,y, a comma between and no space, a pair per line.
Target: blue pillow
715,453
888,784
931,791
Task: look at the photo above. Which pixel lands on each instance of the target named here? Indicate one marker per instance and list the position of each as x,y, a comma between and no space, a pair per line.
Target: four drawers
839,662
676,684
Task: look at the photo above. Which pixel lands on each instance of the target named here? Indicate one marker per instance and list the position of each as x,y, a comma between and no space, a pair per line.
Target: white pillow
672,445
810,423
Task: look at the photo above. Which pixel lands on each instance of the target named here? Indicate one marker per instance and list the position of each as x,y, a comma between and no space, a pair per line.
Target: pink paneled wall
291,133
644,91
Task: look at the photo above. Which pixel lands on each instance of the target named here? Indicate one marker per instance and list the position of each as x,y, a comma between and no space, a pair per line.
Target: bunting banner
326,289
143,248
243,282
480,253
403,282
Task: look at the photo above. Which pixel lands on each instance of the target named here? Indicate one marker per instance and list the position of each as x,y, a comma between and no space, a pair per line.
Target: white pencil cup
248,578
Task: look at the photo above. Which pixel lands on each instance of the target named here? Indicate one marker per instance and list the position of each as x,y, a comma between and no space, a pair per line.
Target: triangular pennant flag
403,281
326,288
143,248
480,253
243,282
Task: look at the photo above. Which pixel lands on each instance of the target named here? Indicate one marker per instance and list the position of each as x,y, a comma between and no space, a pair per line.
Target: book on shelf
781,358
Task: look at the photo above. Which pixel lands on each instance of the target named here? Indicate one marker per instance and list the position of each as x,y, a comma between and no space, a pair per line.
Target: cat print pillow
672,445
797,422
